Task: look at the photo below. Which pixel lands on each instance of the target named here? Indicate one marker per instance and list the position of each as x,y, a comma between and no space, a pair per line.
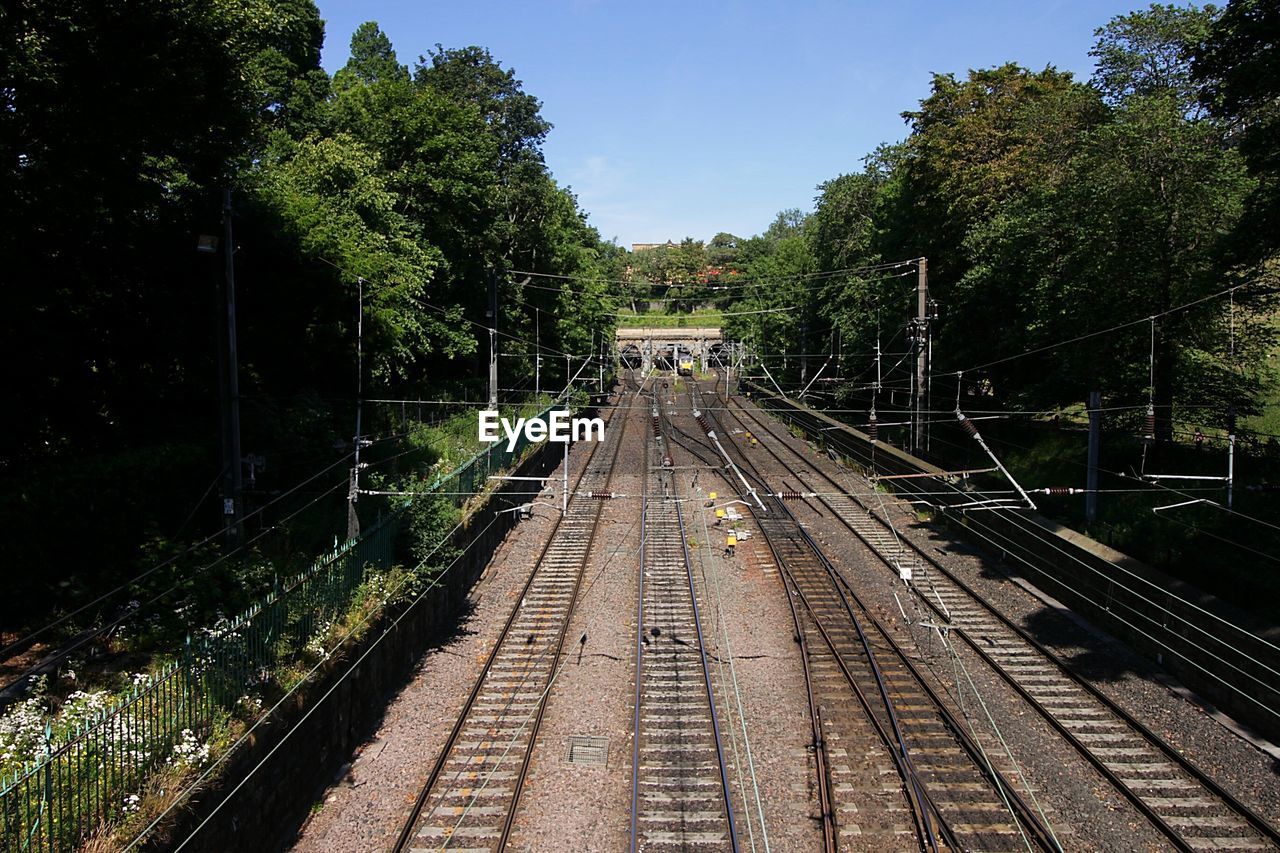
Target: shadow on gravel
1091,656
449,632
439,638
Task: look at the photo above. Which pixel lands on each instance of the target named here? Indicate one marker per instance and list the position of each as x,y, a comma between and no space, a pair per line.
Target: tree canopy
120,127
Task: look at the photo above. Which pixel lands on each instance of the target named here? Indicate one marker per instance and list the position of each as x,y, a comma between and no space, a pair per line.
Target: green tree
373,59
977,146
332,199
1238,67
779,309
1150,53
119,124
471,75
722,251
843,231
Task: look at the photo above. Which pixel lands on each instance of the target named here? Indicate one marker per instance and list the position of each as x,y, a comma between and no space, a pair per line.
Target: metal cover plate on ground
584,749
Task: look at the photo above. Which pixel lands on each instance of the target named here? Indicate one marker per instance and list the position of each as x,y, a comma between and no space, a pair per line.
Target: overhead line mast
922,339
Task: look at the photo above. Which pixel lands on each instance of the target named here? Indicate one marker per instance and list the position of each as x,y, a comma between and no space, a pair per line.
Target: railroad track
1178,798
680,787
470,798
949,793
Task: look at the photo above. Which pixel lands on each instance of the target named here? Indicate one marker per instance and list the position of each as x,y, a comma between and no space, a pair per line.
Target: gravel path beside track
365,808
583,806
1095,814
758,683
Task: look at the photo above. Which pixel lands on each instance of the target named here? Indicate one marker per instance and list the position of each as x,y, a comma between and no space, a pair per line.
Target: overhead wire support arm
977,436
825,365
781,393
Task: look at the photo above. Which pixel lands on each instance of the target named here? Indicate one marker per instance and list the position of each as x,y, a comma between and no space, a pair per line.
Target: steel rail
1257,822
510,817
825,802
726,791
406,832
706,676
1043,836
915,790
917,795
635,725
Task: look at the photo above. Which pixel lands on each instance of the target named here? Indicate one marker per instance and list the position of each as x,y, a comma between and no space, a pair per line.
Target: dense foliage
1050,209
1059,217
120,126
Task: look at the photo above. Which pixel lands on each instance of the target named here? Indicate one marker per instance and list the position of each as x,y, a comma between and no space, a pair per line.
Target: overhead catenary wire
454,316
125,585
1183,492
743,281
357,626
977,526
1146,318
1013,517
83,640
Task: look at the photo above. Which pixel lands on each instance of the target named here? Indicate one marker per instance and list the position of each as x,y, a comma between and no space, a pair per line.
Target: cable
976,525
1145,319
4,652
454,316
65,651
1013,519
742,281
733,680
1153,484
305,679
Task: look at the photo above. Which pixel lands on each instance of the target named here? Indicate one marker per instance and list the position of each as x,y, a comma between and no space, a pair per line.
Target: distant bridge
647,346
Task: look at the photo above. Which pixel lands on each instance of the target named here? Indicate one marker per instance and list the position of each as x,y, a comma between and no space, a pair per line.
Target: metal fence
95,774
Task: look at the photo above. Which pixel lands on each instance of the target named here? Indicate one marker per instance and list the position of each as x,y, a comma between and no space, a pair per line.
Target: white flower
189,751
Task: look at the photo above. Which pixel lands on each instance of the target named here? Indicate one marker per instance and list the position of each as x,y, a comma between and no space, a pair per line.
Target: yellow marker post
719,513
712,496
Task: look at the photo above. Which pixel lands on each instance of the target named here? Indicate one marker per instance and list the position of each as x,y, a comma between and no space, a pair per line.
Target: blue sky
685,119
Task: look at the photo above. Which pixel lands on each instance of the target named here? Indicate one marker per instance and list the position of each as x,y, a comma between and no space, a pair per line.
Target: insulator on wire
873,428
600,496
1150,429
1231,420
790,496
1060,490
969,426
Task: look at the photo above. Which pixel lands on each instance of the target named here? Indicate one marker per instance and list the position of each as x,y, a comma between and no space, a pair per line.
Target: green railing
94,774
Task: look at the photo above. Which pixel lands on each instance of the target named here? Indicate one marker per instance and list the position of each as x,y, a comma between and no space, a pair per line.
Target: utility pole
1231,455
353,518
233,474
492,315
804,352
1095,438
922,350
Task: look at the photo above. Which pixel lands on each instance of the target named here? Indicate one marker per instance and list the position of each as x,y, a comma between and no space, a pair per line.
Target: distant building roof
640,247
